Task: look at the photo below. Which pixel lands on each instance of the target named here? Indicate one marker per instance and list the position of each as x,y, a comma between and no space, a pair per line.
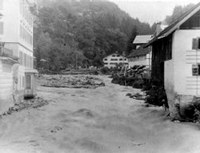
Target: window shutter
195,70
195,43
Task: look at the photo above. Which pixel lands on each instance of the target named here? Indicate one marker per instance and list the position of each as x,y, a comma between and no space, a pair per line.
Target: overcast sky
150,10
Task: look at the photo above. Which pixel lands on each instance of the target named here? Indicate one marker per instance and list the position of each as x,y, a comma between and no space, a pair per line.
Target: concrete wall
184,57
6,87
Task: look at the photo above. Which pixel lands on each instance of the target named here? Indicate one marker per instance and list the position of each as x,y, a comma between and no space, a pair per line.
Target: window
196,70
21,58
105,63
113,55
113,63
114,59
28,82
1,28
196,43
105,59
120,59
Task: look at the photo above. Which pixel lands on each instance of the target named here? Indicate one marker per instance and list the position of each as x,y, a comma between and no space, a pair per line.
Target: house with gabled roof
176,59
140,55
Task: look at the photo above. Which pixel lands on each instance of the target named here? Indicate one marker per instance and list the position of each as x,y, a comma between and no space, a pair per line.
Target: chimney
158,28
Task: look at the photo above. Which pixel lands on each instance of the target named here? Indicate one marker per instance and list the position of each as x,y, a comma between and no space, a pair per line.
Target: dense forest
72,33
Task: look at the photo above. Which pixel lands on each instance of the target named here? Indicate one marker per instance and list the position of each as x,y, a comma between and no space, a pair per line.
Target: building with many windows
115,59
16,54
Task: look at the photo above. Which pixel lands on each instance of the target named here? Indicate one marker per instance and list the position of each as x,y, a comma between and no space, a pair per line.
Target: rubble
70,81
25,104
137,96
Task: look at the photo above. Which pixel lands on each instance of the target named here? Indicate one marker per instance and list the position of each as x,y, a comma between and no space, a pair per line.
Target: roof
114,54
176,24
139,52
142,39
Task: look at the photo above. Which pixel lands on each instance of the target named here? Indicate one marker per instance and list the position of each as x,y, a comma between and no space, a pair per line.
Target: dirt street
101,120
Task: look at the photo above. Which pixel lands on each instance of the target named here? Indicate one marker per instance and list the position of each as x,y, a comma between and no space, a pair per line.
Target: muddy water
101,120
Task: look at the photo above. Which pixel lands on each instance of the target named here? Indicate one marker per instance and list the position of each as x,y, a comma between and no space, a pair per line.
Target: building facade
115,59
140,55
16,35
176,59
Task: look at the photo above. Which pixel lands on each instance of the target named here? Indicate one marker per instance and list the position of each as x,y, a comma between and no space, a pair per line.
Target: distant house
140,40
140,55
176,58
115,59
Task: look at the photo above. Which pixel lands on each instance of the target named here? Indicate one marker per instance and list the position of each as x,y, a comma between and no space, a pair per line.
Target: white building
176,59
140,55
115,59
16,36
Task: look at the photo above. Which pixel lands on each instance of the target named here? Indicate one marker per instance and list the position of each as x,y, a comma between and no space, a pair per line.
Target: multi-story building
115,59
16,37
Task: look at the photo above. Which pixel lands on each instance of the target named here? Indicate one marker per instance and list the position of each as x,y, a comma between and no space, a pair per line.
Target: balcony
8,56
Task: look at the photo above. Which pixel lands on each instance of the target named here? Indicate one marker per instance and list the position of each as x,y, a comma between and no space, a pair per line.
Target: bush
138,83
156,94
105,70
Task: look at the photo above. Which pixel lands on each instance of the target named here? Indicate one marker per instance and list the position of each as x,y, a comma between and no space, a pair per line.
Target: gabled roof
142,39
139,52
114,54
176,24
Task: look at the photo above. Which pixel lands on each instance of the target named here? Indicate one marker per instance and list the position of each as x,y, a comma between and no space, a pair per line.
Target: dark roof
176,24
139,52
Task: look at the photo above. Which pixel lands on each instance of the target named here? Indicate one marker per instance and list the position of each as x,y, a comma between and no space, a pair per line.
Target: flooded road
102,120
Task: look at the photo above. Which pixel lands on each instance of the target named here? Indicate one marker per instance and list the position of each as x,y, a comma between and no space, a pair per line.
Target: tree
130,45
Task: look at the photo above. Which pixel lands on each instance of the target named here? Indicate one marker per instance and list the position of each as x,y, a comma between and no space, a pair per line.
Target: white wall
11,20
142,60
169,76
6,82
116,60
184,57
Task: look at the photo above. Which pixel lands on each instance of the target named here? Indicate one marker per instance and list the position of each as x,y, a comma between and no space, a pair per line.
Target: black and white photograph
99,76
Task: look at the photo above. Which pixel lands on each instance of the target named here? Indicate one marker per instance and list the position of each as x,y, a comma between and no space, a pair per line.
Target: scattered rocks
69,81
56,129
137,96
25,104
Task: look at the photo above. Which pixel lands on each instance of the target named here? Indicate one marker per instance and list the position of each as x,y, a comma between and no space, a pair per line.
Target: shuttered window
196,43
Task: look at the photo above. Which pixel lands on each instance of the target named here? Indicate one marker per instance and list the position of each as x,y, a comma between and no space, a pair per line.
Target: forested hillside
177,12
82,32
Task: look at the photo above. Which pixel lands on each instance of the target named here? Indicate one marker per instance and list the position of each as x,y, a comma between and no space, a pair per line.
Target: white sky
150,10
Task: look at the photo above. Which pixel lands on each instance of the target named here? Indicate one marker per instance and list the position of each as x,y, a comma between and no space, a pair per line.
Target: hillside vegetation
72,33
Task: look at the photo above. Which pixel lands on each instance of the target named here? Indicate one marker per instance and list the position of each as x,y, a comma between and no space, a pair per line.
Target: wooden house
176,58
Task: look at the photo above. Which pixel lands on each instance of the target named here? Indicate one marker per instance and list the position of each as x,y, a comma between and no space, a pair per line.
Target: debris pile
137,96
26,104
70,81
